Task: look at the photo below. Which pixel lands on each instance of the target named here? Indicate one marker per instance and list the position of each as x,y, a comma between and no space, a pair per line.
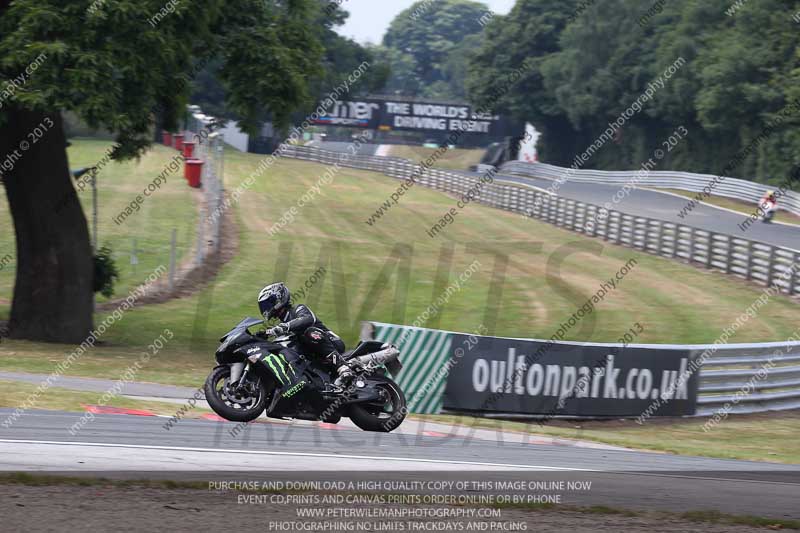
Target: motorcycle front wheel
384,415
236,405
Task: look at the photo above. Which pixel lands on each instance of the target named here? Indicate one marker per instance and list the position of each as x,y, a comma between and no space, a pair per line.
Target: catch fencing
757,262
488,377
210,148
738,189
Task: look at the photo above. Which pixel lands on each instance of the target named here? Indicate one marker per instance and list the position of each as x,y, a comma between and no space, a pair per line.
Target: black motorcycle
252,377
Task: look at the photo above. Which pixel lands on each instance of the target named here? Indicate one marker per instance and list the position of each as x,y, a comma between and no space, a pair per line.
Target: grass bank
13,394
454,158
770,437
531,276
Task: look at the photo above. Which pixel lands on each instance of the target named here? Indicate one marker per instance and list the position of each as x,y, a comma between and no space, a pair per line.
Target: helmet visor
267,306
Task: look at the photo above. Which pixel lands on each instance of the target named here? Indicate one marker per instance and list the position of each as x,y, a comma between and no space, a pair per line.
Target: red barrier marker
192,171
188,149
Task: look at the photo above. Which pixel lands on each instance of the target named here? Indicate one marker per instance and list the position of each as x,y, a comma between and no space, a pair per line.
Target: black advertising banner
425,116
387,115
554,379
364,113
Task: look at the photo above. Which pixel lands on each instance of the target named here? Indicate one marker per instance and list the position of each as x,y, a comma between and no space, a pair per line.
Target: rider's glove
280,329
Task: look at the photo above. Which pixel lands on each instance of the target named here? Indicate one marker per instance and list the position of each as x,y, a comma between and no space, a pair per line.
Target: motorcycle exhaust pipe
381,357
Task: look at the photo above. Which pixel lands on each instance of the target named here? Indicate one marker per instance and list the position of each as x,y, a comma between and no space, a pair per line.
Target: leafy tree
530,32
341,56
105,272
592,61
421,40
113,62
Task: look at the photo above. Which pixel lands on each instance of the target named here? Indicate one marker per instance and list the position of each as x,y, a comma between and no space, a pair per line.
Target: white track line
290,454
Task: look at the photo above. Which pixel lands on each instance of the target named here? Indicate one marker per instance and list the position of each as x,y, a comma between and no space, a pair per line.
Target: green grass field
149,230
391,272
455,158
69,400
767,437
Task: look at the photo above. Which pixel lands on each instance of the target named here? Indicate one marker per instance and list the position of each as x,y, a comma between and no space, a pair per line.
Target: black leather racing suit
314,338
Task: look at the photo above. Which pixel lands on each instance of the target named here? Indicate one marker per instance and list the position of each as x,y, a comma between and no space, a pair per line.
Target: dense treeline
727,72
429,45
341,56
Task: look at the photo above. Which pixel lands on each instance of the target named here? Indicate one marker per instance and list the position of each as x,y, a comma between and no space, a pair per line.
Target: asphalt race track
195,449
665,206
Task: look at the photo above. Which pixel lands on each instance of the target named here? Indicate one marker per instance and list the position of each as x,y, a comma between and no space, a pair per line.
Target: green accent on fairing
294,390
283,365
271,360
286,363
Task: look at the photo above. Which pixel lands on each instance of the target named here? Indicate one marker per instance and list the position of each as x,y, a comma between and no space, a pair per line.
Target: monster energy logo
294,390
278,365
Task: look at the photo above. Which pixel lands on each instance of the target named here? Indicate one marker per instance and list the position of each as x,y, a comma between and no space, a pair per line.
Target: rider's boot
345,376
344,373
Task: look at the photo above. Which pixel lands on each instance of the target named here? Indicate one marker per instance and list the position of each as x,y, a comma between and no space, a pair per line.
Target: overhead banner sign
536,377
390,115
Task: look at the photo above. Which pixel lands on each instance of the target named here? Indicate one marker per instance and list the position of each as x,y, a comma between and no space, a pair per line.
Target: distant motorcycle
252,377
767,211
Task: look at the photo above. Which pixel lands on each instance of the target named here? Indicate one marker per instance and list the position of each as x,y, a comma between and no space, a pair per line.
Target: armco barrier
441,371
746,191
761,263
749,378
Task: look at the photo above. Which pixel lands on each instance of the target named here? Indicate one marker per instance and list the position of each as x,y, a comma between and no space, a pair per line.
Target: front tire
381,416
236,406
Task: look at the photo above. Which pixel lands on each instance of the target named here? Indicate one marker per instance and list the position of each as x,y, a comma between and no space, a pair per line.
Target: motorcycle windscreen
248,322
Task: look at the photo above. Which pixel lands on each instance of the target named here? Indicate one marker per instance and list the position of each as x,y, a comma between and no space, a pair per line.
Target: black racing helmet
273,299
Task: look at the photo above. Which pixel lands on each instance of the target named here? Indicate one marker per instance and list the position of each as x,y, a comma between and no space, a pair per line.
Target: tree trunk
53,289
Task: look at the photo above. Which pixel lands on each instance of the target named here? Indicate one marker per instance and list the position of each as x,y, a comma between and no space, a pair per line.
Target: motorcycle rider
767,205
314,338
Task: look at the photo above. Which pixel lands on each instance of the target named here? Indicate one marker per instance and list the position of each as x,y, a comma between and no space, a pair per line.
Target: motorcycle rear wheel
381,418
230,404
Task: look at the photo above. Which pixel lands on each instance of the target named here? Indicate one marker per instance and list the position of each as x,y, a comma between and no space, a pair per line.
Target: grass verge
454,158
13,394
141,242
391,271
767,437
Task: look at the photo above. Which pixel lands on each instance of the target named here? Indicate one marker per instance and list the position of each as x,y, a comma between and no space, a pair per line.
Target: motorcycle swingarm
367,394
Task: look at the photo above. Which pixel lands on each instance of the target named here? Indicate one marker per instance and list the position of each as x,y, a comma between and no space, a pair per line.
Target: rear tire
227,404
371,417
